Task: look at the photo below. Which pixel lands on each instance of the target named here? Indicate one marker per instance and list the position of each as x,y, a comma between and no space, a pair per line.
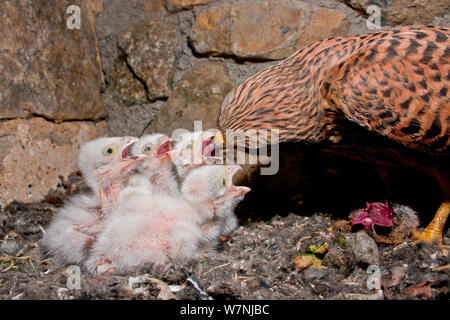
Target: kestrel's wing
398,87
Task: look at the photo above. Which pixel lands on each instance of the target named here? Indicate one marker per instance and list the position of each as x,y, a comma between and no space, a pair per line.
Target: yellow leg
433,232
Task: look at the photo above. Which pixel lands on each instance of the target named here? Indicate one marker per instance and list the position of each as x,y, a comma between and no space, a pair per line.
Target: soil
255,262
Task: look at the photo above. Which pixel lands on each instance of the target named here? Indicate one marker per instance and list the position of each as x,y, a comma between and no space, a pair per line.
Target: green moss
318,251
341,241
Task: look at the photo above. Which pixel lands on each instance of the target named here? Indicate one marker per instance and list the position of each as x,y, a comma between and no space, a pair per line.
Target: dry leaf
421,289
298,245
12,235
303,262
398,273
165,293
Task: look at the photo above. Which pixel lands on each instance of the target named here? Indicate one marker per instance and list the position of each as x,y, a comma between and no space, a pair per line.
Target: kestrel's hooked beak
219,139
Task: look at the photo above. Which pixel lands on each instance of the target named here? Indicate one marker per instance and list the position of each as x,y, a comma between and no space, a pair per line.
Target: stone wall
140,66
50,100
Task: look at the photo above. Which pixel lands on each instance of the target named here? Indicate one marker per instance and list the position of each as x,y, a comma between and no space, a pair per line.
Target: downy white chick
150,227
211,191
145,227
192,150
104,163
156,168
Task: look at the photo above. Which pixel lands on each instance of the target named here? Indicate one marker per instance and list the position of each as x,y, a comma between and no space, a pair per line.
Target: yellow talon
433,232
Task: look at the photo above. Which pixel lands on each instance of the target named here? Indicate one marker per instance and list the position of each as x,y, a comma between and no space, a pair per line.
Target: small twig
400,246
374,232
13,287
299,242
215,268
196,285
10,266
441,268
194,281
32,264
42,229
45,261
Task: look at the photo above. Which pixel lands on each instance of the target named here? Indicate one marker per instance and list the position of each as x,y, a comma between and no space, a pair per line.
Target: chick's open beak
128,160
208,149
125,155
164,149
238,191
126,150
211,149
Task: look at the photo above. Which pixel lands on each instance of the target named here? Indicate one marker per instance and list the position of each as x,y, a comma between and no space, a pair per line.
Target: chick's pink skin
76,225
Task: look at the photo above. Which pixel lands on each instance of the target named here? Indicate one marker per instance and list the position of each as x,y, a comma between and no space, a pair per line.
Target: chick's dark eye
108,151
147,149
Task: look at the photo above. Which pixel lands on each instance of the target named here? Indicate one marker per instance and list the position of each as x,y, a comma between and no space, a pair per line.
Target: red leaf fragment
376,213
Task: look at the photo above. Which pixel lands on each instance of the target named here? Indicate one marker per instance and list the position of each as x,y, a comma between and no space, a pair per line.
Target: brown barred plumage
394,83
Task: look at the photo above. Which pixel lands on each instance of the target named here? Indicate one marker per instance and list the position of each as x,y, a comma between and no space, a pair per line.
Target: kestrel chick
211,191
104,163
156,167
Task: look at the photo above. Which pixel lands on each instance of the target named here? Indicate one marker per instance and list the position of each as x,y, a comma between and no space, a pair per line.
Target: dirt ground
255,262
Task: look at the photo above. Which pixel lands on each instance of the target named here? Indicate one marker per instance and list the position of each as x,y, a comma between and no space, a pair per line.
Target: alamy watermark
73,21
373,22
374,279
255,146
73,277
